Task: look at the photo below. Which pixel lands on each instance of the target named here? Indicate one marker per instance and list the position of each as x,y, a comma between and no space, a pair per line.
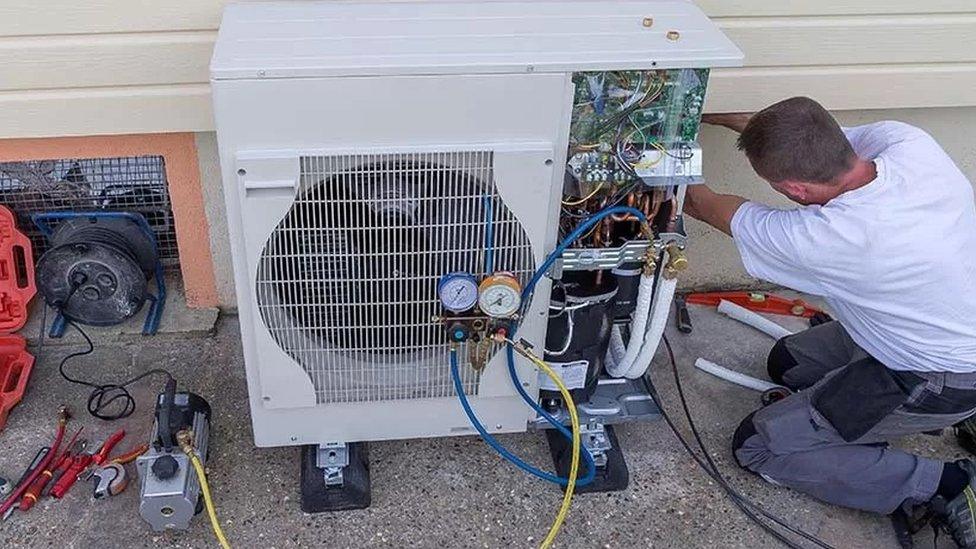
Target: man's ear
796,190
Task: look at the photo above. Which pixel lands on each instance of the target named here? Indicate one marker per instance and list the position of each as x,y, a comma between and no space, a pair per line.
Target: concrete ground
426,493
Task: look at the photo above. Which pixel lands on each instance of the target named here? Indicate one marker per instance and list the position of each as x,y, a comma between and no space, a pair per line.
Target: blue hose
489,235
495,445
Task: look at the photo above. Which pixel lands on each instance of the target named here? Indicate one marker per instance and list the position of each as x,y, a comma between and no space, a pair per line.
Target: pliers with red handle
82,462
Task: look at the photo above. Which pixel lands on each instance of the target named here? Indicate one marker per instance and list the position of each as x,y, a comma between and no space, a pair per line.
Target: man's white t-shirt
895,259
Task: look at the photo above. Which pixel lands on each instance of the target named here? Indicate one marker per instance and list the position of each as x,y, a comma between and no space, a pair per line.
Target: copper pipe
673,216
607,229
656,197
631,200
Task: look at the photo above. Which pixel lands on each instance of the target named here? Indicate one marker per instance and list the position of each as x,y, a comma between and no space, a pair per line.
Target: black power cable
107,401
748,507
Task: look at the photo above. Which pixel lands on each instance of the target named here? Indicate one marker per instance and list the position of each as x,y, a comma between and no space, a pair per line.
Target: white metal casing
301,79
343,38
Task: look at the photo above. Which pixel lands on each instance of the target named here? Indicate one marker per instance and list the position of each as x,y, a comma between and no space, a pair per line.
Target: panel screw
530,68
548,162
242,171
266,398
261,74
648,22
293,439
673,35
499,426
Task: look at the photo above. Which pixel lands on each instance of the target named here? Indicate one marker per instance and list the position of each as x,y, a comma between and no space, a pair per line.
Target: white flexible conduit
660,312
632,362
746,316
622,356
733,376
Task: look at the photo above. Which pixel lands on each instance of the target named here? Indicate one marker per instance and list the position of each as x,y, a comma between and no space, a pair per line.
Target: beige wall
714,261
86,67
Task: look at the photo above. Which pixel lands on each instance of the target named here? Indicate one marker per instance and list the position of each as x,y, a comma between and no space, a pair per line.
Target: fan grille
346,283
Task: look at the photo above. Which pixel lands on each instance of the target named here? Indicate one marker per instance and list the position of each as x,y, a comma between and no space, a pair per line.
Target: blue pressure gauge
458,292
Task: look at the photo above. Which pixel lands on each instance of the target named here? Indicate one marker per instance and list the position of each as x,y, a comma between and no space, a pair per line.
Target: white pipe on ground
735,377
746,316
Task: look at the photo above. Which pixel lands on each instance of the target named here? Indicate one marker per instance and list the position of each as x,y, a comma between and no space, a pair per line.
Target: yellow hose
186,444
574,464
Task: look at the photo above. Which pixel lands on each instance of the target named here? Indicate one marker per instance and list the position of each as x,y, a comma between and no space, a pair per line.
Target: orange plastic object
16,274
759,302
15,368
16,290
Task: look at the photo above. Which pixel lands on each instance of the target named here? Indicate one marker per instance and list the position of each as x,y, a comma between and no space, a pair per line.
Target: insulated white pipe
660,312
623,357
734,377
746,316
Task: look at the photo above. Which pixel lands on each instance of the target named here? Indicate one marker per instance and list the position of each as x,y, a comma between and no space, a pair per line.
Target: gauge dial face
500,296
458,292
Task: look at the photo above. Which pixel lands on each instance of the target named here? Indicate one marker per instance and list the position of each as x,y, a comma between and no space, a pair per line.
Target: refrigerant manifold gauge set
472,308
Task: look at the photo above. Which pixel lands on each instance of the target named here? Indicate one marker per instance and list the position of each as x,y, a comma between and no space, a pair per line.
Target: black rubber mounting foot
354,492
613,477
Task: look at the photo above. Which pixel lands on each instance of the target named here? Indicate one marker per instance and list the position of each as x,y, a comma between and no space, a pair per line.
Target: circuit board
632,126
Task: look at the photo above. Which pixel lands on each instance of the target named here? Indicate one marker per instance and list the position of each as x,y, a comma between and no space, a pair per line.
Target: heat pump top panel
318,39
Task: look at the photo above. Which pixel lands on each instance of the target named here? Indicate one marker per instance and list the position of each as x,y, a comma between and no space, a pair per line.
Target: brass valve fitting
677,261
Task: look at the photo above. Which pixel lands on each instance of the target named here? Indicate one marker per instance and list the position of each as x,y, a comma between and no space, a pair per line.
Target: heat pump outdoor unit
394,174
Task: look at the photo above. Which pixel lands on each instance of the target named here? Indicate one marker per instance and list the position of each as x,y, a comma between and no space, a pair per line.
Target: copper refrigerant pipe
656,199
673,217
631,201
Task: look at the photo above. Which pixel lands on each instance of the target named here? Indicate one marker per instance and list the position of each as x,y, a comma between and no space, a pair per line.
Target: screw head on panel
648,22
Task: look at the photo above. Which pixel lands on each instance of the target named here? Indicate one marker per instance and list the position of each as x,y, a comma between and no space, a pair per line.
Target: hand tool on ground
760,302
82,462
8,503
36,488
38,457
109,481
111,478
102,456
681,317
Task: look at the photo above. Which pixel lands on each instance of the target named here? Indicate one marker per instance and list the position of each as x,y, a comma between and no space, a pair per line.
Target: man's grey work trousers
829,439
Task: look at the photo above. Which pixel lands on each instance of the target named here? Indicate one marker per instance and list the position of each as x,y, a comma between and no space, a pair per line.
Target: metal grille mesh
134,184
347,282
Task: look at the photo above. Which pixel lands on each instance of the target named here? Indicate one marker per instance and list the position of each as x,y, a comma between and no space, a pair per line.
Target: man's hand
734,121
715,209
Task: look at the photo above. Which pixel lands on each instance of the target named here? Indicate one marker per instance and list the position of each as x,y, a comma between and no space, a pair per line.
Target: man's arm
734,121
715,209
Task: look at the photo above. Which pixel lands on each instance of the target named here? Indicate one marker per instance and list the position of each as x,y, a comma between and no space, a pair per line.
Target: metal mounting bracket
594,438
332,457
